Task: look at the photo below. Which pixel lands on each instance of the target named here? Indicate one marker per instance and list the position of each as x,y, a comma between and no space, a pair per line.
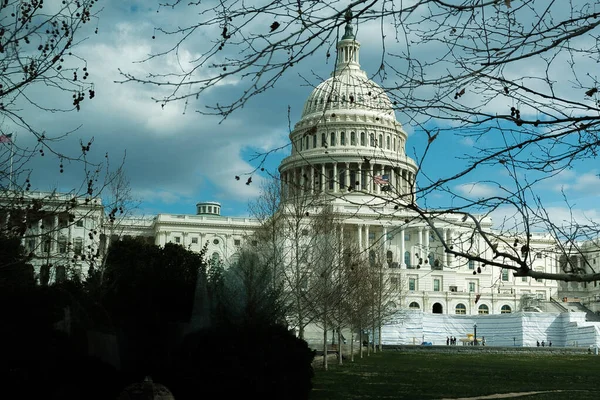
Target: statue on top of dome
349,33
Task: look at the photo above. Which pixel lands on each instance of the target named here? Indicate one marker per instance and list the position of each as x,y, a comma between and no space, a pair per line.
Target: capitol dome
349,88
348,139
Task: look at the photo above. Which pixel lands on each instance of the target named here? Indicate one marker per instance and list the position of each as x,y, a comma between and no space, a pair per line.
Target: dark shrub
266,362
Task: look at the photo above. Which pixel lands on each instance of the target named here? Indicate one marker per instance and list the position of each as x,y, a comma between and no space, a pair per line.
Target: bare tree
511,78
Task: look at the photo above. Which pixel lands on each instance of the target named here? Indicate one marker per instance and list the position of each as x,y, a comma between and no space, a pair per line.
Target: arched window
215,257
460,309
380,142
394,144
301,142
372,140
343,139
353,138
314,141
323,140
332,143
387,143
407,259
362,138
483,309
414,306
306,143
505,309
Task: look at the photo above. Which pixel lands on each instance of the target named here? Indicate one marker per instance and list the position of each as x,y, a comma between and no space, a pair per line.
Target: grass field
431,375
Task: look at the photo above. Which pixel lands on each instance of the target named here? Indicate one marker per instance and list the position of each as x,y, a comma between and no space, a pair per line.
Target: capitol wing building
348,155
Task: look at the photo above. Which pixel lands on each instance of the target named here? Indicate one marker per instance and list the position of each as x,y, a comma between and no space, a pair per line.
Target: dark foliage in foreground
265,362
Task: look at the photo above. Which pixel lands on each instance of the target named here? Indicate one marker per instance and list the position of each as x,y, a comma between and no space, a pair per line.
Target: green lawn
431,375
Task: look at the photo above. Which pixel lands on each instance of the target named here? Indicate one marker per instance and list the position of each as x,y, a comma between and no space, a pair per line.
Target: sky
176,157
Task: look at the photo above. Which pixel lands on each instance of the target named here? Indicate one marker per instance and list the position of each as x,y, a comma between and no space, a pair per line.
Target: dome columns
337,177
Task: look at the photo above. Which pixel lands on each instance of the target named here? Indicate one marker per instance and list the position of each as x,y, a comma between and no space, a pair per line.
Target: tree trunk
380,345
324,344
361,339
340,344
373,330
352,344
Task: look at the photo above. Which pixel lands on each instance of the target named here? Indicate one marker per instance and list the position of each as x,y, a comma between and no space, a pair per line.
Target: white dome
349,90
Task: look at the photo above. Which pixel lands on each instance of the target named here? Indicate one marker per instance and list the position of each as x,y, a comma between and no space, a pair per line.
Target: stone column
385,244
420,243
367,236
370,178
359,176
445,233
39,240
70,239
360,243
311,179
427,234
54,246
402,248
322,179
450,244
336,186
347,176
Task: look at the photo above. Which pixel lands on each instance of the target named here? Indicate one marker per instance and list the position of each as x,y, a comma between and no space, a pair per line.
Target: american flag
381,180
6,138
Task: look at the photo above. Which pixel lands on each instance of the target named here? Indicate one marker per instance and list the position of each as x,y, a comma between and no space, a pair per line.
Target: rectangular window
237,242
331,178
471,264
505,274
62,245
194,240
46,245
407,237
472,287
538,255
31,245
412,284
394,283
79,223
436,285
78,249
314,141
177,239
523,279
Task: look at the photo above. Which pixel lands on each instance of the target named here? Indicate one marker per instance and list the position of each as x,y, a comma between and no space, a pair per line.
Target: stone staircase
590,316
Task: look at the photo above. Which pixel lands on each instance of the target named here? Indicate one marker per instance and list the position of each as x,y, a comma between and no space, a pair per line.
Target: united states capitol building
348,150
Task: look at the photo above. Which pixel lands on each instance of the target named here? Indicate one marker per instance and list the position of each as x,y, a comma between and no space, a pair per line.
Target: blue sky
176,157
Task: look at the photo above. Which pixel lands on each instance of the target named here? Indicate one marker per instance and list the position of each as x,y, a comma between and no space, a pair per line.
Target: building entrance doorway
437,309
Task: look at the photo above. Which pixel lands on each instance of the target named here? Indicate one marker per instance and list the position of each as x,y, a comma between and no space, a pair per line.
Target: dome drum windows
343,139
352,138
332,142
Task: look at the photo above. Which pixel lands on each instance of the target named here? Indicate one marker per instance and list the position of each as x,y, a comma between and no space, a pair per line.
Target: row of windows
352,139
461,309
437,285
236,242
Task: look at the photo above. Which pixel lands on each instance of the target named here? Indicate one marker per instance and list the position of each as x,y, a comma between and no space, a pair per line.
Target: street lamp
475,334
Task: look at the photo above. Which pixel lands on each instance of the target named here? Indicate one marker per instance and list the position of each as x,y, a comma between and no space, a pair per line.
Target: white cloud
476,190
